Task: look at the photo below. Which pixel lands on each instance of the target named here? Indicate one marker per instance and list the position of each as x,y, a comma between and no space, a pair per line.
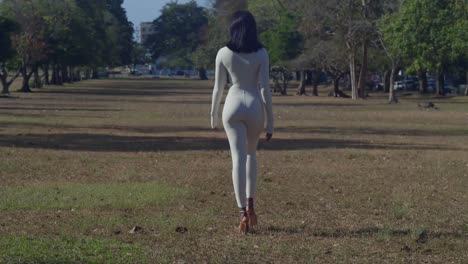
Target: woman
243,115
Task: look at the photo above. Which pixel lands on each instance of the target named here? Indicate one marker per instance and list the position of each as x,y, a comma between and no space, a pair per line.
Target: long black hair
243,33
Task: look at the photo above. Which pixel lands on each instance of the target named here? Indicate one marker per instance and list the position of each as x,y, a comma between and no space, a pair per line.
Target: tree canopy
178,31
66,34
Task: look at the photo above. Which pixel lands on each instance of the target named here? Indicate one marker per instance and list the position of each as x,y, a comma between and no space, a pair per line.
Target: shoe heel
243,227
253,219
244,223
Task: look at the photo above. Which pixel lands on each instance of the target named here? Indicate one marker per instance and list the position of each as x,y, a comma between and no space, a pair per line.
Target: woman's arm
265,91
218,90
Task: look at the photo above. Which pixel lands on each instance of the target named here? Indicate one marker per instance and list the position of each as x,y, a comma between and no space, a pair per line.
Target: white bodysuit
243,115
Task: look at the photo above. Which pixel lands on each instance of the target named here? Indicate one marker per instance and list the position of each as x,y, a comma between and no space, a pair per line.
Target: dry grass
343,181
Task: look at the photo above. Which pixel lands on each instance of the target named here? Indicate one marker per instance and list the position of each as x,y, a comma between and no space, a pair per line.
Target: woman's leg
251,165
237,136
254,128
251,169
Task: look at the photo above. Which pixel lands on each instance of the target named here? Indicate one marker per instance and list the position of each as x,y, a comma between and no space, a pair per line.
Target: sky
147,10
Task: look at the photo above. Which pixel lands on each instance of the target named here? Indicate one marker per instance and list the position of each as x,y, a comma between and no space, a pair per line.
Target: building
146,30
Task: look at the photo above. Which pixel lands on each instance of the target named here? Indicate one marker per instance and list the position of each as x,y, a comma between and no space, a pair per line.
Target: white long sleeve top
248,71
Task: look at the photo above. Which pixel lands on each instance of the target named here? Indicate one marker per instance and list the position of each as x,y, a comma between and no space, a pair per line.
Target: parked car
431,84
405,85
378,86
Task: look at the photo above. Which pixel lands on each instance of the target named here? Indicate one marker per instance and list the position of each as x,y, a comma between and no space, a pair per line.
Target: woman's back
244,68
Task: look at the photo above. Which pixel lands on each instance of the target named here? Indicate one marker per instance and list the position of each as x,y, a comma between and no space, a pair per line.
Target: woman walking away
246,103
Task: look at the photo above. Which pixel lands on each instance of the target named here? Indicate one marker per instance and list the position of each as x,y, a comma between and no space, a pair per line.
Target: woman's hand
268,136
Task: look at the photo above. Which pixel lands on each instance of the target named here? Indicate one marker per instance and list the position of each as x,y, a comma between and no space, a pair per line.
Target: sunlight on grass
135,195
23,249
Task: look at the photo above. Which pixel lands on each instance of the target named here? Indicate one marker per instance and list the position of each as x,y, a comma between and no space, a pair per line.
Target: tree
124,31
278,27
390,35
29,42
178,31
7,53
212,38
433,35
225,8
138,56
66,36
215,35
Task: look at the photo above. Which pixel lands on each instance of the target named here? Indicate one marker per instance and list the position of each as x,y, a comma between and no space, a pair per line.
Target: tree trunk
46,74
440,81
422,81
301,90
94,74
277,86
309,77
26,77
87,74
54,75
64,73
335,90
336,86
352,70
392,99
71,74
202,74
466,84
284,88
363,72
59,75
386,82
5,82
315,79
37,79
5,86
78,76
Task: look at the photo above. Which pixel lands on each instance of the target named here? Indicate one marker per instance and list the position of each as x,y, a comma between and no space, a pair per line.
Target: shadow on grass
334,131
373,231
363,232
122,92
59,109
372,131
104,142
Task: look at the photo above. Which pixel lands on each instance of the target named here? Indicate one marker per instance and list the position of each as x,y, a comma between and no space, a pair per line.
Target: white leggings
243,120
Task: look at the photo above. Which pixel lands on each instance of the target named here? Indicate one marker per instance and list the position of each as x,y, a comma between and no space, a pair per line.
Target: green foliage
29,42
124,31
86,196
215,38
283,40
278,28
72,32
392,33
267,13
177,31
138,55
7,27
25,249
430,32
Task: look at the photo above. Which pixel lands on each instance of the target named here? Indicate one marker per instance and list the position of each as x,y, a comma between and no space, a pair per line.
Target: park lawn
342,182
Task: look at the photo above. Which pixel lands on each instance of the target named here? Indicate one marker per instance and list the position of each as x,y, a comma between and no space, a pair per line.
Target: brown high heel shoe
252,217
244,222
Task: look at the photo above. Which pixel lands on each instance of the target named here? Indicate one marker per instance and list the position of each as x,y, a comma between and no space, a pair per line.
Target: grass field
342,182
